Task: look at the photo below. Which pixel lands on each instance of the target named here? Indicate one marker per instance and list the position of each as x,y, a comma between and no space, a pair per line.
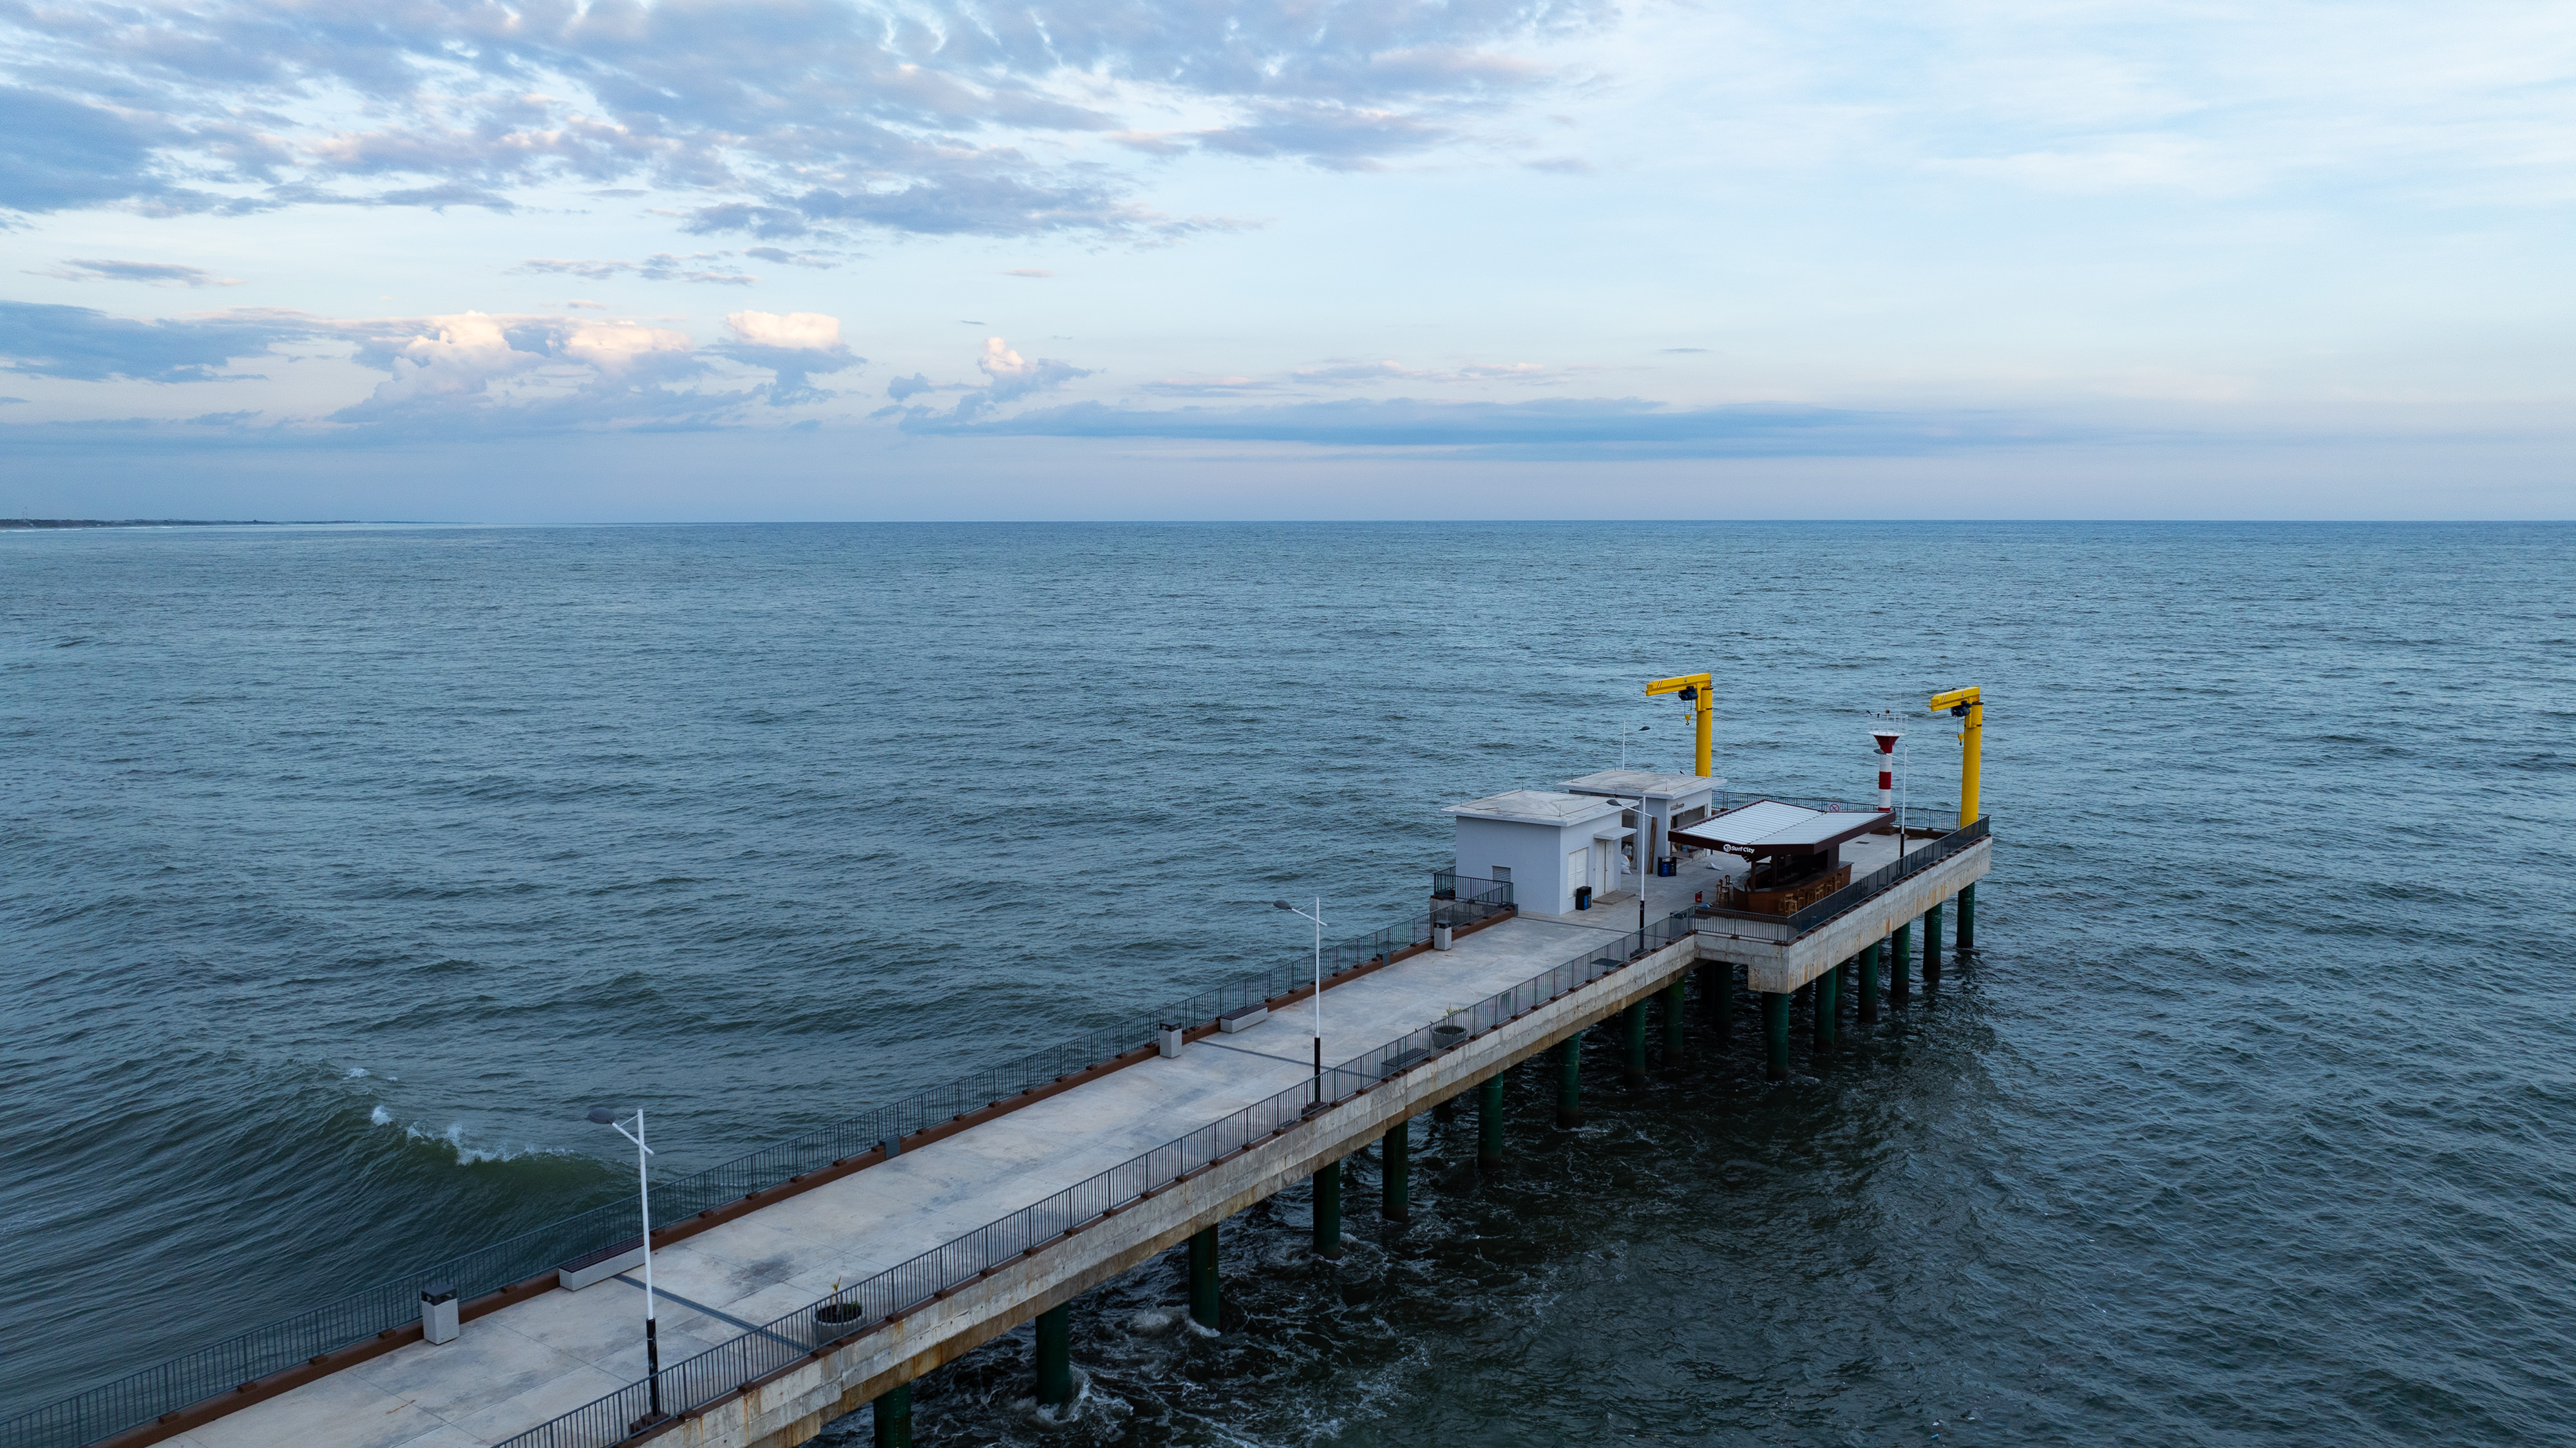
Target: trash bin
438,1312
1668,866
1582,897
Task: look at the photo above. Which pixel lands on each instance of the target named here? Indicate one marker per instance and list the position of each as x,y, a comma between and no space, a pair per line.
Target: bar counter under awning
1769,827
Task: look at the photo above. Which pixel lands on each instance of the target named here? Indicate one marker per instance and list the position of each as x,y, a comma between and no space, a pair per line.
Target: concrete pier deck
526,1363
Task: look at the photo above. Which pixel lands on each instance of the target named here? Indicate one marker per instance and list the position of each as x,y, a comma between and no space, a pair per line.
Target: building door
1578,872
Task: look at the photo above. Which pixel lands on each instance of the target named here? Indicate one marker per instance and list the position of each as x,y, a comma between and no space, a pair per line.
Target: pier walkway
747,1285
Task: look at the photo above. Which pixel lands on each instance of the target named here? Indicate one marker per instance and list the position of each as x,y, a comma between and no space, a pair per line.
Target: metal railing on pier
780,1344
182,1382
1885,877
1881,880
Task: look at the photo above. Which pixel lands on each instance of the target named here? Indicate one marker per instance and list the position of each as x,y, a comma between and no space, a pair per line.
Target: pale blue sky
1154,259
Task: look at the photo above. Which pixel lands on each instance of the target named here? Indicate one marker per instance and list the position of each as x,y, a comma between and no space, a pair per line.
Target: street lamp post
1318,918
644,1195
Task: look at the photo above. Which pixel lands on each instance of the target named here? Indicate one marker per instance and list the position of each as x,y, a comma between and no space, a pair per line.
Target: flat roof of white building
1536,806
1640,781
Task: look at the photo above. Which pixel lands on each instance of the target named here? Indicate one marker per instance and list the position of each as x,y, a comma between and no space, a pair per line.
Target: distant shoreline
164,522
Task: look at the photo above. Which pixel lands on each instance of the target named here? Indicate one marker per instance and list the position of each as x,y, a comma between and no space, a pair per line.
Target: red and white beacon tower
1886,768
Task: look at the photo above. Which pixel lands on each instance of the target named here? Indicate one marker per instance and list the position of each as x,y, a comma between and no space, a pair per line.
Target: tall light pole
644,1194
1318,918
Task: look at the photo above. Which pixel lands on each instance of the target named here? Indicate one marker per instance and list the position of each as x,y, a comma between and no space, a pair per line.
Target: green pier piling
1775,1032
1824,1004
1055,1356
1569,1082
1489,1123
1868,1003
1395,1151
1673,1045
1967,922
1328,1212
891,1414
1847,983
1900,964
1445,1112
1632,1071
1932,948
1718,984
1203,1282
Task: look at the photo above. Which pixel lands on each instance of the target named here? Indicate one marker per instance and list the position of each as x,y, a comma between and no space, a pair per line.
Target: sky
556,262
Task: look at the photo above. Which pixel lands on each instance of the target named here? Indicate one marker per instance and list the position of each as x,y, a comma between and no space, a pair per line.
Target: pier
849,1264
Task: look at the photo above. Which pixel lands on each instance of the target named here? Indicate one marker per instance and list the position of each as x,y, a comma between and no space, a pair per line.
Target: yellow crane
1964,704
1695,691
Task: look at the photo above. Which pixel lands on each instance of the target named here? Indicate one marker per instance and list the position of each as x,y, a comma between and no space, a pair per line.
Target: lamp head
603,1115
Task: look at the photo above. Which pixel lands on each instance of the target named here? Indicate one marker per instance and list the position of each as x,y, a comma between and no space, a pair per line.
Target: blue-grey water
344,868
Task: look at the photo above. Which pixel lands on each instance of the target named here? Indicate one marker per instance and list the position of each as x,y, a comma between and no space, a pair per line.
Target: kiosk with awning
1795,852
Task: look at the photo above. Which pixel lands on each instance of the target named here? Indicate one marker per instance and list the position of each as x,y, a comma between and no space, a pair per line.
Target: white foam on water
380,1116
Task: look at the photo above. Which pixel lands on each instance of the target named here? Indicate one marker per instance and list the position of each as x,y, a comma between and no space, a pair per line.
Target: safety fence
170,1387
782,1343
1885,877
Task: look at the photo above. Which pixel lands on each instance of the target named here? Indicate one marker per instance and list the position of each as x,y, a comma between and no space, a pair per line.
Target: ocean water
347,867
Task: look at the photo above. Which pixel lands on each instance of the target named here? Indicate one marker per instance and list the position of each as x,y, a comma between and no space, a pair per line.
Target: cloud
819,261
1605,428
661,266
1028,271
1355,374
795,345
939,118
1335,136
157,273
82,344
65,153
1014,377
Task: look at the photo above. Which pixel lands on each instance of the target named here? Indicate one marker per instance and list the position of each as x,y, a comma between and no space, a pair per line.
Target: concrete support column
1932,949
1900,964
1395,1168
1632,1071
1489,1123
1967,920
1328,1211
1569,1082
1717,980
891,1412
1203,1281
1673,1020
1775,1033
1868,1003
1824,1004
1055,1356
1847,983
